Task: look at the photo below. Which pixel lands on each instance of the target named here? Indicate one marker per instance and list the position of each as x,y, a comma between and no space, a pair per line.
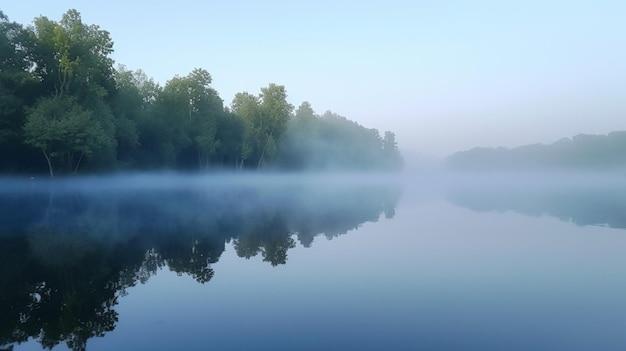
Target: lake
286,262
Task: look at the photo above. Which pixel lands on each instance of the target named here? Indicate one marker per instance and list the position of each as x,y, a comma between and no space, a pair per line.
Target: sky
443,75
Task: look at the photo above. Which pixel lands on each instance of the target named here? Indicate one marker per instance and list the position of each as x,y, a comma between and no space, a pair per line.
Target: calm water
311,263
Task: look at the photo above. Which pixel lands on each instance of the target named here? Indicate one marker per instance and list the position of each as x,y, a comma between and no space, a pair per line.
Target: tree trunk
78,163
265,147
49,163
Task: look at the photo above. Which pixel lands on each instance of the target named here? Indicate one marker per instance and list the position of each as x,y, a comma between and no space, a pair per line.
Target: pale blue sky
444,75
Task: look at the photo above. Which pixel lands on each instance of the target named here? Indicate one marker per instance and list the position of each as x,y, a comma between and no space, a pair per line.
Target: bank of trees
580,153
66,107
330,141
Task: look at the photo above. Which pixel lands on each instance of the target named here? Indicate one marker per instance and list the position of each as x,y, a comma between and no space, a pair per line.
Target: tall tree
73,58
135,104
15,46
192,108
265,119
64,132
276,112
247,107
18,90
128,108
230,132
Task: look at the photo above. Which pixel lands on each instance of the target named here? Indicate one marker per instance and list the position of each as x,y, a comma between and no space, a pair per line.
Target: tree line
64,107
581,152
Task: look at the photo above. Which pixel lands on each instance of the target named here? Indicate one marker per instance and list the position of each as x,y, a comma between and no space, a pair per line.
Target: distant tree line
581,152
64,107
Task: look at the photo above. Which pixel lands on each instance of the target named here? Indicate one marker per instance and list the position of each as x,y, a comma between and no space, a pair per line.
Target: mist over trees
581,152
331,141
66,107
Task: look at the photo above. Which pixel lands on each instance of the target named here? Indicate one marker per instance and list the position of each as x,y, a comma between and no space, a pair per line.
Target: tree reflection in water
591,203
67,255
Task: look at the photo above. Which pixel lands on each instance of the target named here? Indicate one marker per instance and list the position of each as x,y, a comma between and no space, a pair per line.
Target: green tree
18,90
247,107
265,119
63,131
128,108
15,46
300,134
276,112
135,104
73,58
191,109
230,131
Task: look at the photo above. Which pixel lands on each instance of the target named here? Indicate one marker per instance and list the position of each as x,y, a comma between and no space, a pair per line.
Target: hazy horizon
444,77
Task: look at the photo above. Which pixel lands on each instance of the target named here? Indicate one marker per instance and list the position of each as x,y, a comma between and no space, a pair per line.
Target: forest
66,107
582,152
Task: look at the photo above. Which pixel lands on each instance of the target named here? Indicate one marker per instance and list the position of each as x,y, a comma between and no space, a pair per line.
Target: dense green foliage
64,107
582,152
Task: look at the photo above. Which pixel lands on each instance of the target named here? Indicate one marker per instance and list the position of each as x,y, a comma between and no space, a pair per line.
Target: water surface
309,263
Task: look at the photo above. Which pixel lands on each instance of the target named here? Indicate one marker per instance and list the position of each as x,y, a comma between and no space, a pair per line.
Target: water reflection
581,204
68,251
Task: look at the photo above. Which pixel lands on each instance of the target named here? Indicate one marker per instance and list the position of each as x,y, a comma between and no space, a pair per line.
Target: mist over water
185,197
584,199
428,260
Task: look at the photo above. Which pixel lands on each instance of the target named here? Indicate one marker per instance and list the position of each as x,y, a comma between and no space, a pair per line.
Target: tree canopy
65,107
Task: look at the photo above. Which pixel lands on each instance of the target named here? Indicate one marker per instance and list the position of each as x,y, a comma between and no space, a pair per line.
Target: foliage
73,58
64,131
18,89
264,119
61,97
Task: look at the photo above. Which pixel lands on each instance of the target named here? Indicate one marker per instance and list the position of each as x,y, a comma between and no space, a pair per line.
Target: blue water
424,270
